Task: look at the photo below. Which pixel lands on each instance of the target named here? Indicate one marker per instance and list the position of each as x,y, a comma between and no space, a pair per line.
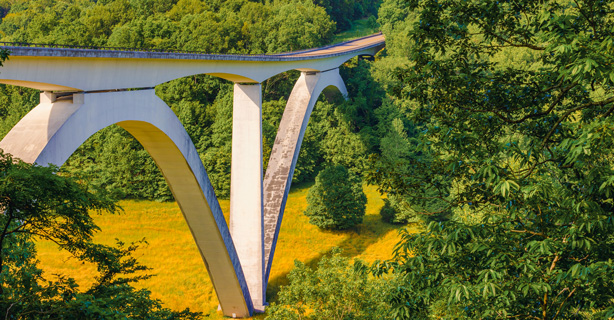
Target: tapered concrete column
246,221
285,152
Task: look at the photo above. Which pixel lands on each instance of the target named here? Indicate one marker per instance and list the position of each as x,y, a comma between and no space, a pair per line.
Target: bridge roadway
70,68
84,90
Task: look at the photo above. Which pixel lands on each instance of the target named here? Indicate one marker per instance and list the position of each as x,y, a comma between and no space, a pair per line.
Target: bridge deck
41,50
65,68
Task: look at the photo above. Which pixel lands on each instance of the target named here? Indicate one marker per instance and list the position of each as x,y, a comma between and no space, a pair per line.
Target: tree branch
563,303
572,110
526,45
553,265
540,234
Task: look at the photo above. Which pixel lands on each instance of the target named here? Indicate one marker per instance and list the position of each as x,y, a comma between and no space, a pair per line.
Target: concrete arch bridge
85,90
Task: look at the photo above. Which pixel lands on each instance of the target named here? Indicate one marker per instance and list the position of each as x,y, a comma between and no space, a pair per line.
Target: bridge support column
286,150
246,220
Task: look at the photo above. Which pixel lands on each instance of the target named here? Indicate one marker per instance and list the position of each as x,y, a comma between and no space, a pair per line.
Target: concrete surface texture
246,187
94,88
286,149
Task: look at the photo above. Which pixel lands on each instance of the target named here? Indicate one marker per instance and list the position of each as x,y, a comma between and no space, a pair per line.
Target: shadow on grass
359,239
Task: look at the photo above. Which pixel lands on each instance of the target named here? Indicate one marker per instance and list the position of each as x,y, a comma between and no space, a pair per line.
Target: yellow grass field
181,280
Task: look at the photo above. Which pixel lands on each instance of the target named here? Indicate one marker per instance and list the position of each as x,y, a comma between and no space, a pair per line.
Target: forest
485,125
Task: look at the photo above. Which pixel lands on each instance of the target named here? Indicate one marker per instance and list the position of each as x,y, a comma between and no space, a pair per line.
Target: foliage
113,160
397,150
4,55
344,12
335,290
226,27
298,25
40,203
396,211
217,154
512,102
37,201
389,213
360,28
336,200
15,102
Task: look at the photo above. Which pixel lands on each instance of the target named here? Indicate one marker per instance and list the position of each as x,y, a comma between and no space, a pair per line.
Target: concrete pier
285,152
246,222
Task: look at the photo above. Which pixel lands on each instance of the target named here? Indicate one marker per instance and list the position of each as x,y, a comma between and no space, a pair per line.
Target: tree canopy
512,102
38,203
335,289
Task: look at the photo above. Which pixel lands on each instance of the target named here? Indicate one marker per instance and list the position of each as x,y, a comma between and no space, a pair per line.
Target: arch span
53,130
284,154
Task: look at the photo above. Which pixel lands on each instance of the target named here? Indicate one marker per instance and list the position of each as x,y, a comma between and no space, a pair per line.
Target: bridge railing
64,46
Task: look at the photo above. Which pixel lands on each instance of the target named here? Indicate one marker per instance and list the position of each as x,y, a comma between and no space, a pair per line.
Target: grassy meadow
181,280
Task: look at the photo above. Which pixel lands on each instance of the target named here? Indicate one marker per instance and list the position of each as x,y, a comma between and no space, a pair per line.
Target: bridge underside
69,69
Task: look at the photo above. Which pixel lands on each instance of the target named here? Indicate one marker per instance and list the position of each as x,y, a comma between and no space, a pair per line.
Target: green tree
151,32
38,203
210,32
298,25
398,152
335,290
336,200
344,12
15,102
217,153
112,159
513,103
331,139
186,7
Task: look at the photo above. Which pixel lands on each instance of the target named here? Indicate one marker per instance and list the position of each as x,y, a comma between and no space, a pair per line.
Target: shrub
388,213
336,201
336,289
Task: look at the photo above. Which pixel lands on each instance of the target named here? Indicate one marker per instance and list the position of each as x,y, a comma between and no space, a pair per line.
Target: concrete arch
284,154
53,130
